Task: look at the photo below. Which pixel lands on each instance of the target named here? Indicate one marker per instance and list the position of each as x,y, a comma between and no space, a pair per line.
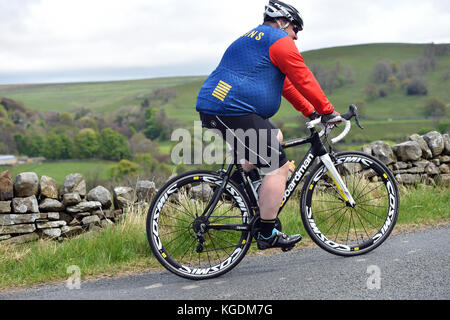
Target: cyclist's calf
272,191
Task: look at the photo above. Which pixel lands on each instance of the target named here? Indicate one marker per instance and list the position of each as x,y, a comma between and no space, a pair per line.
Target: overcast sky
93,40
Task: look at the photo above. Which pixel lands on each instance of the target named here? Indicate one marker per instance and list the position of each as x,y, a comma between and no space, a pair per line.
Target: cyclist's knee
282,171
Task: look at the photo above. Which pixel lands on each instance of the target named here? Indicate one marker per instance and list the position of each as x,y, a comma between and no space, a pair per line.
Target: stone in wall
71,231
49,233
407,151
49,204
26,184
71,199
6,186
13,219
123,197
5,207
444,179
426,152
74,183
446,144
444,168
383,151
90,220
50,224
48,188
201,192
22,238
84,207
145,190
17,229
435,142
432,169
25,205
102,195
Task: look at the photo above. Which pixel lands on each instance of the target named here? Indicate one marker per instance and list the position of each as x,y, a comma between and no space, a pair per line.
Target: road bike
201,224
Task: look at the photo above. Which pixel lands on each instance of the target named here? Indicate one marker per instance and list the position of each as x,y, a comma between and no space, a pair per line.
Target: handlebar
345,117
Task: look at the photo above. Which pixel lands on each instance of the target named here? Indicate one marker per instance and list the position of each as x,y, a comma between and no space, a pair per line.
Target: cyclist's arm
285,55
295,98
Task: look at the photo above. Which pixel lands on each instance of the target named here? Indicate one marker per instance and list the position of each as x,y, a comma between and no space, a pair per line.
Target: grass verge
123,248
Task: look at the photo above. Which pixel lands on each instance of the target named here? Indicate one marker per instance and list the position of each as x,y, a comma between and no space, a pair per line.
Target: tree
3,113
392,83
381,71
66,118
123,168
86,144
372,91
409,70
114,146
87,122
33,146
417,86
21,143
152,129
435,107
164,94
140,144
59,146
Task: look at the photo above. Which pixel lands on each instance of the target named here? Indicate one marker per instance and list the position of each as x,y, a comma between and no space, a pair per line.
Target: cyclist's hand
327,119
314,115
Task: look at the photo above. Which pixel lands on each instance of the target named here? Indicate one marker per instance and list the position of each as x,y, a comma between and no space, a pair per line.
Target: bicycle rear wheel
339,228
174,222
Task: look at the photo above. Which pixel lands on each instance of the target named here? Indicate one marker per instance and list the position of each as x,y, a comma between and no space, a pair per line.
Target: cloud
75,36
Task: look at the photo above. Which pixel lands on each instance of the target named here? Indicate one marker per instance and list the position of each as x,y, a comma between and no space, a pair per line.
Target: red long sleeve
298,101
285,55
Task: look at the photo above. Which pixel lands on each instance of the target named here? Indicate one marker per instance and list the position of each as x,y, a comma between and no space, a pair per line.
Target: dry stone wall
33,208
421,159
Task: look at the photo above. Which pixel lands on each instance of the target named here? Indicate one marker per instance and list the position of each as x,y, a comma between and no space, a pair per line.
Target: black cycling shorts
251,138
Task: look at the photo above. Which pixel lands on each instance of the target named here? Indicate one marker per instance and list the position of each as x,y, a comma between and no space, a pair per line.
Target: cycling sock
267,227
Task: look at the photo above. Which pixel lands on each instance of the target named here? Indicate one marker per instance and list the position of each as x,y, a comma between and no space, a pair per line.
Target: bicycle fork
337,179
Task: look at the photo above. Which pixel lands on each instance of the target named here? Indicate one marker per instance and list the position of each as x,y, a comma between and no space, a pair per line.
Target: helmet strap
282,27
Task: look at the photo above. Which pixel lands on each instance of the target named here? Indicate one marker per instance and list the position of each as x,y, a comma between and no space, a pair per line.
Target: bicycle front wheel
338,227
189,245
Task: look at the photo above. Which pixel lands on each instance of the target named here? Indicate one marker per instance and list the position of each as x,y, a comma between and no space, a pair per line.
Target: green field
107,96
97,96
59,170
113,99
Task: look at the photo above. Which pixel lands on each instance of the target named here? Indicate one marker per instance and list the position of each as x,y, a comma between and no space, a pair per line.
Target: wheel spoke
180,239
345,225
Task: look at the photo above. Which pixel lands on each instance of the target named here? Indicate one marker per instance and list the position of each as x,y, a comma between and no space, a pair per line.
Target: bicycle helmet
277,9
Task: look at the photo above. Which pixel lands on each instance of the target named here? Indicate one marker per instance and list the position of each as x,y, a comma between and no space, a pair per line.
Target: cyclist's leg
265,152
273,186
256,140
272,191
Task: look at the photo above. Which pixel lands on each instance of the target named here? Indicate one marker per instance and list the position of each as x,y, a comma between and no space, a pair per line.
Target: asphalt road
409,266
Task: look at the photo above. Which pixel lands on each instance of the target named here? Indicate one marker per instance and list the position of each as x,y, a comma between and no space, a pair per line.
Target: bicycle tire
170,226
369,223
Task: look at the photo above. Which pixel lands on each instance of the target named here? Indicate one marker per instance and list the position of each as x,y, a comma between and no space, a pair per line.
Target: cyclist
245,90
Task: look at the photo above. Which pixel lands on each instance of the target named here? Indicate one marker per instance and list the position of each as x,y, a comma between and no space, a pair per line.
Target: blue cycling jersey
246,81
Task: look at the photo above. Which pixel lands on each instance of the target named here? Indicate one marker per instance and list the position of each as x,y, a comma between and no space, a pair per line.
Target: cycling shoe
278,239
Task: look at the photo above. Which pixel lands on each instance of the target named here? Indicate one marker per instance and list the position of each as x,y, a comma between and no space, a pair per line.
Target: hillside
345,73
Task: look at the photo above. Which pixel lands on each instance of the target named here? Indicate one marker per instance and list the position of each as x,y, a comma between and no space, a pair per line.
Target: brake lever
352,113
357,122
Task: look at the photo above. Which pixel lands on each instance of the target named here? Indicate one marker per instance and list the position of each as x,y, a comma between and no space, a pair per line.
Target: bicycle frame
317,150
